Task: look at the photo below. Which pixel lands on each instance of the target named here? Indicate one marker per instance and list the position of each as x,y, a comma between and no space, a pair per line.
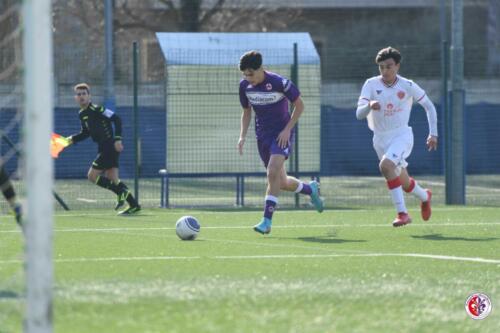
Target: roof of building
227,48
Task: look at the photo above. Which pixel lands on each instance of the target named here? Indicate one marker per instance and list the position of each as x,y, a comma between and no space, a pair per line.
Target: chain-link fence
189,122
189,125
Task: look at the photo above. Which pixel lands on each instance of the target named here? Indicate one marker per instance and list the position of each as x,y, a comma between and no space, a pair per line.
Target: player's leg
111,157
393,160
9,194
133,205
390,171
273,184
264,226
96,174
113,175
273,173
289,183
292,184
410,185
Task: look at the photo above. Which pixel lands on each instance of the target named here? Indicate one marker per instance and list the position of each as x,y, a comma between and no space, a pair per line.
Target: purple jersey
269,103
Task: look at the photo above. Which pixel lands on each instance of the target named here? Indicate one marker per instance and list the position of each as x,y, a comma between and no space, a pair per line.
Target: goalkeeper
96,123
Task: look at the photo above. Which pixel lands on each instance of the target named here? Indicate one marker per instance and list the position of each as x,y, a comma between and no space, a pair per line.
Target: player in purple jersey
268,95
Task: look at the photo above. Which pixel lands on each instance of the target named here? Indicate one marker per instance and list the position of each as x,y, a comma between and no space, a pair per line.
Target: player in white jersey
386,102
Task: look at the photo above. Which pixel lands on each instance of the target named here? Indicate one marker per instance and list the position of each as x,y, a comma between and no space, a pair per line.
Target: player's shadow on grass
440,237
6,294
326,240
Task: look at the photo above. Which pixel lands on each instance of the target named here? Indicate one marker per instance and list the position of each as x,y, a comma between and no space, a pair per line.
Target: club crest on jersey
401,94
379,92
390,106
269,86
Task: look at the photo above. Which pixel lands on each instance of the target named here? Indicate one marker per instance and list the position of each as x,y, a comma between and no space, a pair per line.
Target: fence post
164,188
136,122
237,190
295,80
445,110
455,167
242,191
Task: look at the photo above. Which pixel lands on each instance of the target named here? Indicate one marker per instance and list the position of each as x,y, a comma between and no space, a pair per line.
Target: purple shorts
268,147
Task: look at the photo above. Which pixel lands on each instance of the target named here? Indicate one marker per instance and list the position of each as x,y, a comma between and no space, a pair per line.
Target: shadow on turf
259,208
440,237
4,294
325,239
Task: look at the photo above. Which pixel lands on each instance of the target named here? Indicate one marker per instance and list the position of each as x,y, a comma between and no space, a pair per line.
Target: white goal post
38,219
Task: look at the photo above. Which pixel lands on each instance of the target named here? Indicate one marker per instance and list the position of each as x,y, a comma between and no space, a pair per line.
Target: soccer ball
187,228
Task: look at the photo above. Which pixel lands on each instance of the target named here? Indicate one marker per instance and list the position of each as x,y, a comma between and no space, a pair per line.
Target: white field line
273,256
76,260
179,211
414,255
304,226
86,200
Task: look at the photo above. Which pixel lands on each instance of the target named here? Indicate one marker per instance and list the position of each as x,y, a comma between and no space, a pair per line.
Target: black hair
388,53
250,60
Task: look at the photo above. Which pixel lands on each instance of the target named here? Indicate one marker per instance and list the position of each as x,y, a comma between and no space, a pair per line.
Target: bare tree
79,29
179,15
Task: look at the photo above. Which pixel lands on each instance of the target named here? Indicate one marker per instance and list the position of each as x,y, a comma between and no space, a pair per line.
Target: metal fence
202,161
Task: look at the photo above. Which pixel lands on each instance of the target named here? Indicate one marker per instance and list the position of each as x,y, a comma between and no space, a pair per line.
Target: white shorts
395,146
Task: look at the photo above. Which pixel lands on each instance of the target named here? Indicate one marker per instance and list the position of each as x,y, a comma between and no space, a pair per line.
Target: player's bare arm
432,142
119,146
246,116
284,136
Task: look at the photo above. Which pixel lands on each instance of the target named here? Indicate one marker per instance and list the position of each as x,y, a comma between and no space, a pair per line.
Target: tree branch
145,21
169,4
211,12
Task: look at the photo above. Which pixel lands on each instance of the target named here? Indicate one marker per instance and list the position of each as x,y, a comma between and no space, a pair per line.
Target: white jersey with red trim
395,101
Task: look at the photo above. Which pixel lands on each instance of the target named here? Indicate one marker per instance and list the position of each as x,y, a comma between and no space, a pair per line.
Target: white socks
417,191
397,196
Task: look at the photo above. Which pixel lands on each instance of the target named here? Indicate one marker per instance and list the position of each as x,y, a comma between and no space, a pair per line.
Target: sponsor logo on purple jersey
269,99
